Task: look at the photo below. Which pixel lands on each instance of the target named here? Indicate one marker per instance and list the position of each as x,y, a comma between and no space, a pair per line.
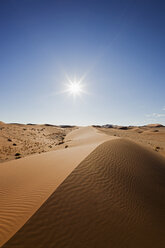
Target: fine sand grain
114,198
26,183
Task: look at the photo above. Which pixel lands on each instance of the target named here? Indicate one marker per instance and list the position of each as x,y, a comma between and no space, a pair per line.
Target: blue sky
118,45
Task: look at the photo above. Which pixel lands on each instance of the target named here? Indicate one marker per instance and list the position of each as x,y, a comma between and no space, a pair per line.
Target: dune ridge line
114,198
26,183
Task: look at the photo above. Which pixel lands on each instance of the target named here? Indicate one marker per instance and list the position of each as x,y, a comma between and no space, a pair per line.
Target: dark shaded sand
114,198
25,184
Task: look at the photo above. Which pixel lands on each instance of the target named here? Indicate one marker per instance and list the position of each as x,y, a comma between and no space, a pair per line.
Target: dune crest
114,198
26,183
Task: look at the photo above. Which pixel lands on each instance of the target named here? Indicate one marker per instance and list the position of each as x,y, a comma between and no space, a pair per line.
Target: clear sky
118,47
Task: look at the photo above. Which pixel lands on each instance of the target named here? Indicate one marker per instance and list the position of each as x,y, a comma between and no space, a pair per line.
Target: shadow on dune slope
114,198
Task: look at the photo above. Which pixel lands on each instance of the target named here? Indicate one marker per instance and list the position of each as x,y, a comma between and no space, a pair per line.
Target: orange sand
26,183
114,198
29,139
152,136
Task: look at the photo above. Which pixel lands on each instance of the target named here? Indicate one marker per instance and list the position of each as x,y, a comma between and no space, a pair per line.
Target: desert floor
151,136
18,140
97,190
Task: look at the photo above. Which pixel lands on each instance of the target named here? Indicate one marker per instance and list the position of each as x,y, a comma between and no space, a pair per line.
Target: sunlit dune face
75,88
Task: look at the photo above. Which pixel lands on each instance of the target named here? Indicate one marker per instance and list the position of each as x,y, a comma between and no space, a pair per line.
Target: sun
75,88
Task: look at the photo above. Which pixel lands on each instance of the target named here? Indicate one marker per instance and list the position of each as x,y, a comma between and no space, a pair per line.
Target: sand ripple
114,198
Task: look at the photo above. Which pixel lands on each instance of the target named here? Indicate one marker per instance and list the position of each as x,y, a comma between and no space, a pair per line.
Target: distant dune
152,135
20,140
155,125
114,198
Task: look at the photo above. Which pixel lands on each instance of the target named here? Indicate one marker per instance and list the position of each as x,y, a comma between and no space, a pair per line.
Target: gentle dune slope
26,183
114,198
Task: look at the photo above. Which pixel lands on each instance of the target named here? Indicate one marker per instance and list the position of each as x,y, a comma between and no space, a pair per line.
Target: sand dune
152,136
26,183
114,198
155,125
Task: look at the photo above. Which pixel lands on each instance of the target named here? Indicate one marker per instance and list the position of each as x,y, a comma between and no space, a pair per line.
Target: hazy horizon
116,49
